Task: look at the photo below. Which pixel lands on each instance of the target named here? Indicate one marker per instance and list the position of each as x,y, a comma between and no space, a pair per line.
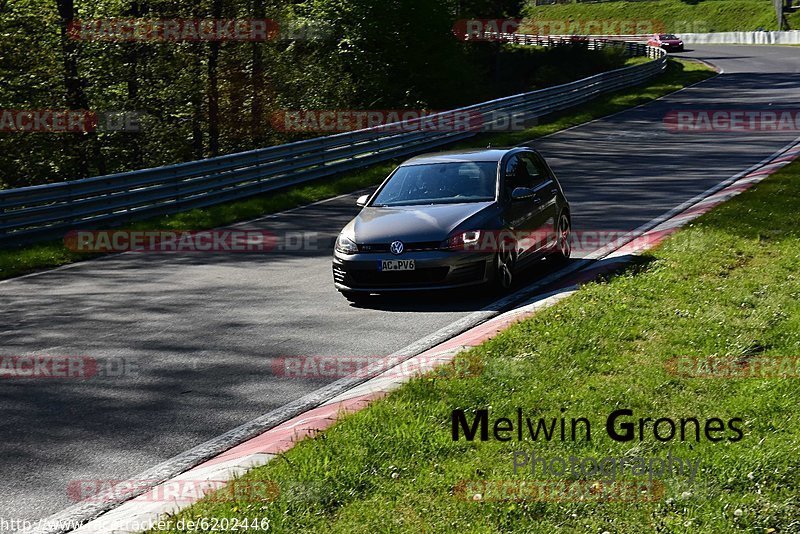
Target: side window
517,174
536,170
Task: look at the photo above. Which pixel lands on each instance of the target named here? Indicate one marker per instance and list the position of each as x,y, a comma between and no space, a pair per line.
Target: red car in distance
667,41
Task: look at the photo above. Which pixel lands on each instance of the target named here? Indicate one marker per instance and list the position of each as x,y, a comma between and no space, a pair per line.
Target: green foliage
201,99
676,16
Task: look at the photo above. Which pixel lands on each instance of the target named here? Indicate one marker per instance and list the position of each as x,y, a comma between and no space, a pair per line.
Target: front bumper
435,269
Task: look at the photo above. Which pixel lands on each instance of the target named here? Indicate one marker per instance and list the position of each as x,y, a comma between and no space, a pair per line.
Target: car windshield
440,183
668,37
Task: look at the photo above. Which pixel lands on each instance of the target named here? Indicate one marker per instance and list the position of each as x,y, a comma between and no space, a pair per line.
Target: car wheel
563,244
503,275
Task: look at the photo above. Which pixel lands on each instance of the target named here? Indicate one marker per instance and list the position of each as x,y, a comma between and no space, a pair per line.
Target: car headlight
345,245
462,240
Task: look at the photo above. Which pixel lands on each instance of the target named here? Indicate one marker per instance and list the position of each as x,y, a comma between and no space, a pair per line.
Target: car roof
456,156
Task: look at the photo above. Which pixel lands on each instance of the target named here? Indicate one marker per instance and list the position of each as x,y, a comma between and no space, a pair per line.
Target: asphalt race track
200,331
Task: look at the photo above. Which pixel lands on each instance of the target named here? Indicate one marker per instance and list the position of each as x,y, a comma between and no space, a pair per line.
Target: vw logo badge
396,247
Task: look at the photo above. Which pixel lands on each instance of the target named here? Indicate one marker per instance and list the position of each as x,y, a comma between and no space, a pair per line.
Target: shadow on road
455,300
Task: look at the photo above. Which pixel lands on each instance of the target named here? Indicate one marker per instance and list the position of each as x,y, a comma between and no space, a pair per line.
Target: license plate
396,265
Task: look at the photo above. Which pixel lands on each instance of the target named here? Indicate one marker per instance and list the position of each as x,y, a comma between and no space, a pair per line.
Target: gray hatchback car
454,219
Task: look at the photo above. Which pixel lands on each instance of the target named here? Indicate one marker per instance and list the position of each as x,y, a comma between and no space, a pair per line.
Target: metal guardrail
37,213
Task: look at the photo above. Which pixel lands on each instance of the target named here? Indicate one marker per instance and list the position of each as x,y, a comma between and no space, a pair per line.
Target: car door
523,214
546,190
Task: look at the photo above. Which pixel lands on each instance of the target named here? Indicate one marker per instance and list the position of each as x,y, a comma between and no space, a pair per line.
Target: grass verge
676,16
15,262
727,286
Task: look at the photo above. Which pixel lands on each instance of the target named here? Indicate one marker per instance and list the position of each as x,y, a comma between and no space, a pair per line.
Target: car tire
502,275
563,249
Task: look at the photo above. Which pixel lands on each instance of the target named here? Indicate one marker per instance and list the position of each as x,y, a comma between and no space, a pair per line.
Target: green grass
678,16
728,285
15,262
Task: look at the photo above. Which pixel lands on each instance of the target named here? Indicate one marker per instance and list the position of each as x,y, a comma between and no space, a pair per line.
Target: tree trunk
197,102
77,145
132,52
257,78
213,86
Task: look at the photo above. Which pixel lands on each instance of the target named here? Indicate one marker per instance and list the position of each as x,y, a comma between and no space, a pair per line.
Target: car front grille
407,247
428,276
432,275
339,275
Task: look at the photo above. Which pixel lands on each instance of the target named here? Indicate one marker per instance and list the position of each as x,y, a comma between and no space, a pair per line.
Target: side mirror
522,193
362,201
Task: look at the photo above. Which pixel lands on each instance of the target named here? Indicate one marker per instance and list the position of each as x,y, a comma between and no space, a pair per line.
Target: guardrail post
177,189
69,204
